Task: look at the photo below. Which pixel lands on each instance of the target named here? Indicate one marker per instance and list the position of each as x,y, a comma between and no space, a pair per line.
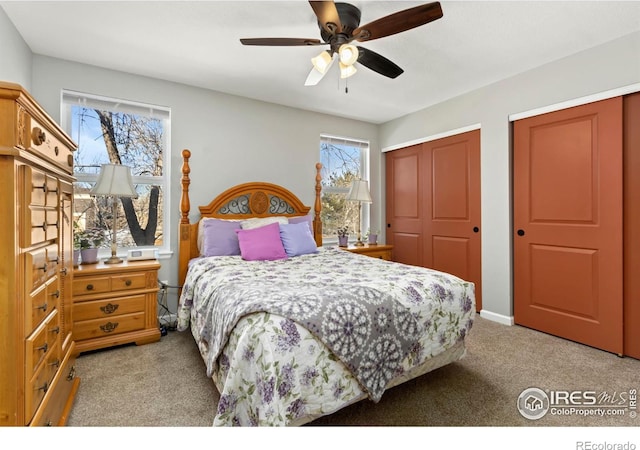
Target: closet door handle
520,232
476,229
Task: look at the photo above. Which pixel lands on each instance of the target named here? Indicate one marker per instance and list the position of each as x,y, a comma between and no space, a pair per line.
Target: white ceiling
197,43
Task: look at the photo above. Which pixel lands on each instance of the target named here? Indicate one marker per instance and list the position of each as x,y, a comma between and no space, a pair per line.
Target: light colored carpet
164,384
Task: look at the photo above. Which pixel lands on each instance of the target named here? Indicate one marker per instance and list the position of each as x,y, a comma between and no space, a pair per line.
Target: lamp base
359,243
113,260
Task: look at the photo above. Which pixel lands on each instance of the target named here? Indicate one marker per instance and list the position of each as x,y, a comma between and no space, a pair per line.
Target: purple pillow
303,219
220,238
261,244
297,239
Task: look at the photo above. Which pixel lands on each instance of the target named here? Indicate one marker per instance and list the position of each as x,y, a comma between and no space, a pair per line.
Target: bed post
317,207
184,247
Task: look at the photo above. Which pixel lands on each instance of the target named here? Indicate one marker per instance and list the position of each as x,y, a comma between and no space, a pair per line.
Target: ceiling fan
339,25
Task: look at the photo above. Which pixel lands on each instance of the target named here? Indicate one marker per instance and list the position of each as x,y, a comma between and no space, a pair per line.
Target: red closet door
452,204
404,208
567,187
433,206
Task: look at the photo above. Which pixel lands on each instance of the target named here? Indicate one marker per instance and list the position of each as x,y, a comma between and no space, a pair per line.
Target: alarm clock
138,254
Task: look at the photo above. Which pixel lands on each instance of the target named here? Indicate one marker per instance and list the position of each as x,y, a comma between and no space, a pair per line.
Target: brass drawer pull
44,348
56,294
109,308
56,363
38,135
89,287
63,271
57,258
44,387
43,307
43,268
43,226
72,373
127,283
109,327
56,330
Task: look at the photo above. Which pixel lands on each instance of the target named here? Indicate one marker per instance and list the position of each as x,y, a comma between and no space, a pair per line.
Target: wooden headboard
255,199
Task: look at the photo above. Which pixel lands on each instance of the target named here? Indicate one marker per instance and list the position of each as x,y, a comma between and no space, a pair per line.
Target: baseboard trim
504,320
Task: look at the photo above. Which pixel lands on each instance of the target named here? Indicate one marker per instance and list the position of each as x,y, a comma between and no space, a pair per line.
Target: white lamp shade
359,192
322,62
348,54
346,71
115,180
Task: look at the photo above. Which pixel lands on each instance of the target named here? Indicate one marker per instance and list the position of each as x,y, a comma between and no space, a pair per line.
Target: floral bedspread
274,369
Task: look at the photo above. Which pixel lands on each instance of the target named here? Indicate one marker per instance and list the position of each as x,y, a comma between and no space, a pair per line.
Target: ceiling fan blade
398,22
315,75
281,42
327,15
378,63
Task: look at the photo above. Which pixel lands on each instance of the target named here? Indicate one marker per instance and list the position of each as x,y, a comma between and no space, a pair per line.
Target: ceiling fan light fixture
347,70
322,62
348,54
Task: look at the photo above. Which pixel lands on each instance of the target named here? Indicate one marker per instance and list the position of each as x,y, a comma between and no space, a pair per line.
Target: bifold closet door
433,206
567,214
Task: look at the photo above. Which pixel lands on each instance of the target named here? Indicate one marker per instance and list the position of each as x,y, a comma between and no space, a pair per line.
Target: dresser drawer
38,266
42,343
40,189
96,328
50,147
56,405
40,303
99,309
38,386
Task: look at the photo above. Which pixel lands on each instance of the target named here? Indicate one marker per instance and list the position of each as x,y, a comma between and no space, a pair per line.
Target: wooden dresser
115,304
381,251
37,354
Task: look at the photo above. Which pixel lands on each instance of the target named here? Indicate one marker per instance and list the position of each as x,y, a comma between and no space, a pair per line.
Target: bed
290,337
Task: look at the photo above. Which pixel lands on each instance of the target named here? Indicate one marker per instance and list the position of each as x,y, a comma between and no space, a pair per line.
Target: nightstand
115,304
381,251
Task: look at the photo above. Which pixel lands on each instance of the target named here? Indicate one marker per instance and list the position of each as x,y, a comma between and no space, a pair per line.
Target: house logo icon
533,403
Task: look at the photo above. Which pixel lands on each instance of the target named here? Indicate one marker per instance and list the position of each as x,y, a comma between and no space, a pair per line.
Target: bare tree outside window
113,136
343,160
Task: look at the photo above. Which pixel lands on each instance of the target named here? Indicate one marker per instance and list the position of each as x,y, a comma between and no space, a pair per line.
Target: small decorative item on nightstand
343,237
88,242
372,238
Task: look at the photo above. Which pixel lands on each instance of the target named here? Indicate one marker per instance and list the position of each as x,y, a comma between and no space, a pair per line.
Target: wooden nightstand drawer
374,251
91,285
96,328
129,281
100,309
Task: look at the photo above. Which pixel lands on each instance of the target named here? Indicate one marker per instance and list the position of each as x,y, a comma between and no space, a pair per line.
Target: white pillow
257,222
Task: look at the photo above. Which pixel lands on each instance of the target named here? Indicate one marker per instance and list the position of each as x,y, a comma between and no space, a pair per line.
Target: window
343,160
113,131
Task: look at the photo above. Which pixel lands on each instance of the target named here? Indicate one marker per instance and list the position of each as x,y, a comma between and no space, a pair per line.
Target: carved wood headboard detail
254,199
